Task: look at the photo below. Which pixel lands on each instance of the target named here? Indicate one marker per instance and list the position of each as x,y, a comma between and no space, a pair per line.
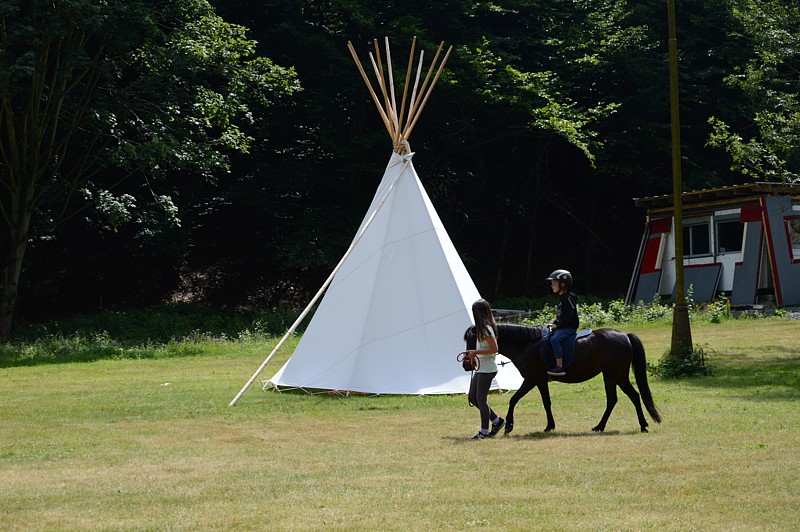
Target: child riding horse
607,351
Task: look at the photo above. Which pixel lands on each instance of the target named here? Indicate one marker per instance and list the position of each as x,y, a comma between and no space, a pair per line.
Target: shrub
693,365
163,323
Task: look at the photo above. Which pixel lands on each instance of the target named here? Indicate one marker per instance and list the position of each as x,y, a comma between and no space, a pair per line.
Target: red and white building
742,241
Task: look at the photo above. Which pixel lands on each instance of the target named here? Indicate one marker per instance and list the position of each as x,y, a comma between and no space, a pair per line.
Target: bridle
475,362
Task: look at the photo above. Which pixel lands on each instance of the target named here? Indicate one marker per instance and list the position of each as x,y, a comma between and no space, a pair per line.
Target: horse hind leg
611,401
633,395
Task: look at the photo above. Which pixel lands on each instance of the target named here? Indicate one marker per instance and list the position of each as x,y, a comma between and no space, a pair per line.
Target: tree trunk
19,228
8,295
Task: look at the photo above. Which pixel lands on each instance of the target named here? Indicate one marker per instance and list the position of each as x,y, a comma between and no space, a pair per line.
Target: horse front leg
527,385
544,391
611,400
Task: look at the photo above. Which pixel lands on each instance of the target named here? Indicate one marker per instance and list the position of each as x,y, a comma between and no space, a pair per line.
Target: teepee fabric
393,318
395,308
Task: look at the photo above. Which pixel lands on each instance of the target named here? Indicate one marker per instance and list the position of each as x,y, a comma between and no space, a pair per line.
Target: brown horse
607,351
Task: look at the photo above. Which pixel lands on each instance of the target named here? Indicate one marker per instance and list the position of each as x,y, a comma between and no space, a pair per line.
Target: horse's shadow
553,434
537,436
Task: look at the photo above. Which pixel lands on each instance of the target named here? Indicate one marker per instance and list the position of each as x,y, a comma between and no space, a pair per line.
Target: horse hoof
644,429
549,428
598,429
509,427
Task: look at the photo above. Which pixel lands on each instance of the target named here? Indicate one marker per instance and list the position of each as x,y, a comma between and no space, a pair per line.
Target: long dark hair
482,312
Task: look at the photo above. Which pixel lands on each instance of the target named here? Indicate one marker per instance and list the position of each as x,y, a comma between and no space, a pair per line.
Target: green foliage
614,312
165,331
522,303
93,93
262,185
539,73
200,119
112,210
719,309
767,148
692,365
180,330
163,323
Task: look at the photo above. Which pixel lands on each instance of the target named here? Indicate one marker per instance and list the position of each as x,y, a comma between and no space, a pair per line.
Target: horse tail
640,372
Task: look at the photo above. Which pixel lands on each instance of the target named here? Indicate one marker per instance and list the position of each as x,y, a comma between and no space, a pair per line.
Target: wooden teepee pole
416,82
407,82
385,118
391,89
410,127
417,101
401,122
387,107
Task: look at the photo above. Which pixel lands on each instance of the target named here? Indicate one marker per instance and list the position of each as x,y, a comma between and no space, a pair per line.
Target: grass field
153,445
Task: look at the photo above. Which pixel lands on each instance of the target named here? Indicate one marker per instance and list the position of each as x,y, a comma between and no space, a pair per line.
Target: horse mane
511,332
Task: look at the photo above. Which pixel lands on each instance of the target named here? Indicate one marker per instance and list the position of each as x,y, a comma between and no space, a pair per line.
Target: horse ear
470,332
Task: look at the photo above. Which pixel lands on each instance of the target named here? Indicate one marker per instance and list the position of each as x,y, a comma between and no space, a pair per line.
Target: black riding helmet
561,275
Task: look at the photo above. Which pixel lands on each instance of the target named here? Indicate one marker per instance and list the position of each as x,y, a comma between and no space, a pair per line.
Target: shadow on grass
535,436
555,434
776,378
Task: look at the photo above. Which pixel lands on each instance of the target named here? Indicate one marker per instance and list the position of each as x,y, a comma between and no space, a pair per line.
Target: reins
475,362
534,346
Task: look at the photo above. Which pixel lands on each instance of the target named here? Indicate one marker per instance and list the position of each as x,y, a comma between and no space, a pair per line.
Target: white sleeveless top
488,364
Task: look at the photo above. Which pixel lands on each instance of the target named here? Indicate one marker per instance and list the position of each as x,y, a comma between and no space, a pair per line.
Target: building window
793,232
696,241
729,236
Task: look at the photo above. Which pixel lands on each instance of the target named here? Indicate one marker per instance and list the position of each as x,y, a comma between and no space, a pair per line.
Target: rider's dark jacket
567,311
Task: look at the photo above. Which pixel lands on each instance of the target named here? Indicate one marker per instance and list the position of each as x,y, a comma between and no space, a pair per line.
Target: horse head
470,338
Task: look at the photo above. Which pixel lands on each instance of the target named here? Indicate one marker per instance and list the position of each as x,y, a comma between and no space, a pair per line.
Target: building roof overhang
722,194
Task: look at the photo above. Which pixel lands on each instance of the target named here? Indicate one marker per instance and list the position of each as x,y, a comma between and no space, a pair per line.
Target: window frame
728,221
688,238
792,226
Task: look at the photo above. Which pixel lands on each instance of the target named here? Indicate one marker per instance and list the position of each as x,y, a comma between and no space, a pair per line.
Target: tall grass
163,323
185,330
164,331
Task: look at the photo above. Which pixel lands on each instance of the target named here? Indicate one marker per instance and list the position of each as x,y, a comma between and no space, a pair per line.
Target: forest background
224,153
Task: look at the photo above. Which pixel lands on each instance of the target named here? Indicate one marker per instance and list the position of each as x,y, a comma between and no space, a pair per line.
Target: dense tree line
225,153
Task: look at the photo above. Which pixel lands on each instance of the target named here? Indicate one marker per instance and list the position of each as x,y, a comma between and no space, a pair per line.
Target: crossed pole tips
399,128
400,124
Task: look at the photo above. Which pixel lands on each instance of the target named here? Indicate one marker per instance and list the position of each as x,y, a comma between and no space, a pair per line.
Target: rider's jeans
558,338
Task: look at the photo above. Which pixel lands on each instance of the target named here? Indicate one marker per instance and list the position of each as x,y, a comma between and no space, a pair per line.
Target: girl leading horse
607,351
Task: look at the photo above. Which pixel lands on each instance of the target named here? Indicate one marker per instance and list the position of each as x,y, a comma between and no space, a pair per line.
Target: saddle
569,349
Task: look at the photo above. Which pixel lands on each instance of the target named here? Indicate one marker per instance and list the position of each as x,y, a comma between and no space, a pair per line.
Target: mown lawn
152,444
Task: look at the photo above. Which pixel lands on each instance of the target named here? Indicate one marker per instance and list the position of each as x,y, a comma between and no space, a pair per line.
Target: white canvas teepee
396,307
